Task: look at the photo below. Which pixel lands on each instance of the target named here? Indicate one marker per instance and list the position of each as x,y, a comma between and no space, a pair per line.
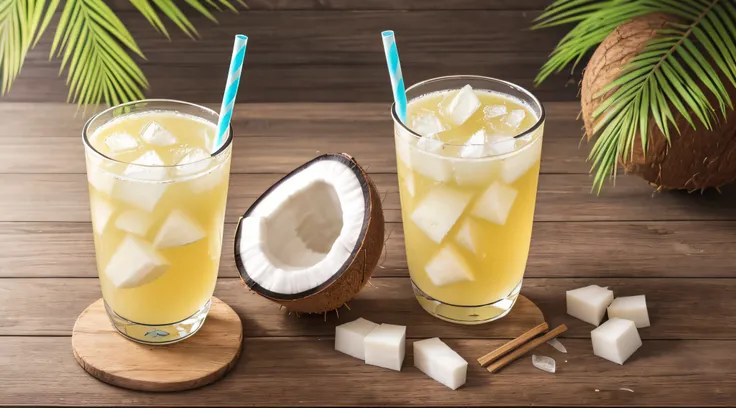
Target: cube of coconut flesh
495,203
350,337
441,363
319,227
616,340
632,308
135,263
385,346
448,266
589,303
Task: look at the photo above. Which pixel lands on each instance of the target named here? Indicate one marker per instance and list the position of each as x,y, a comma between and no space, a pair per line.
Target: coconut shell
342,289
695,159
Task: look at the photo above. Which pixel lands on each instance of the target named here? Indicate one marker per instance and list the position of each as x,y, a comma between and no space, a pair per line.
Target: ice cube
430,143
492,111
475,146
194,162
448,267
429,164
473,172
544,363
148,166
101,211
495,204
156,134
135,263
513,119
409,183
121,142
134,221
501,144
426,123
179,229
439,210
462,106
208,181
517,164
441,363
466,236
403,148
100,179
140,194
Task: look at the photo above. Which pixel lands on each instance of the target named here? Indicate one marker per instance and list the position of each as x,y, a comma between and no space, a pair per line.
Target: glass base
467,314
159,333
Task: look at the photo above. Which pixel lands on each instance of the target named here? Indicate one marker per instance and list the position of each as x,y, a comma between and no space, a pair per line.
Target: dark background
327,50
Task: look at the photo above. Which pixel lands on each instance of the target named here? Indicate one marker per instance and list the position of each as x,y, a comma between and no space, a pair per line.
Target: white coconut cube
385,346
495,203
447,267
616,340
135,263
520,162
350,337
441,363
462,106
589,303
439,210
632,308
426,160
475,146
134,221
179,229
140,194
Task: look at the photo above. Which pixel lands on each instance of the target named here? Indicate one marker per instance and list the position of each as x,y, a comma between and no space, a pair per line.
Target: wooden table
676,248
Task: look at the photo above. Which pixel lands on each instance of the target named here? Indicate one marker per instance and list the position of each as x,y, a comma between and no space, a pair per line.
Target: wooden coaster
199,360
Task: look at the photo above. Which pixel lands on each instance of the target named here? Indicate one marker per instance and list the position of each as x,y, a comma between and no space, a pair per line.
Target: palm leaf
20,22
680,70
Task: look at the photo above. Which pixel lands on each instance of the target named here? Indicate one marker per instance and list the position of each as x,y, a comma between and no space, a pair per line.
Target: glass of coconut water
468,164
157,198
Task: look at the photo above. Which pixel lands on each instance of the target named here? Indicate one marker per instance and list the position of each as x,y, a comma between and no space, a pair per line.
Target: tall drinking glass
157,198
468,164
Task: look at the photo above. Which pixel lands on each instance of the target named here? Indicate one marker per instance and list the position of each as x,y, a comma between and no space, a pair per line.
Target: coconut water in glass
157,199
468,161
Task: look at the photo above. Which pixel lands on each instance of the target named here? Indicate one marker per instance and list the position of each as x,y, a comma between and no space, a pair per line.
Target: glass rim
528,94
85,132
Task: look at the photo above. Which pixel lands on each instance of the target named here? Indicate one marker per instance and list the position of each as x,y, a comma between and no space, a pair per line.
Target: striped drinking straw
394,71
231,90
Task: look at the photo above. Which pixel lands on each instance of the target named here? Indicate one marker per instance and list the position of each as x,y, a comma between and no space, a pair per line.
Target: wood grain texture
709,303
195,362
272,138
561,197
693,249
317,55
662,373
379,4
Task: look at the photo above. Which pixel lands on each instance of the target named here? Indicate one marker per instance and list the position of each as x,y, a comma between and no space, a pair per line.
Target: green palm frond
19,22
91,41
678,72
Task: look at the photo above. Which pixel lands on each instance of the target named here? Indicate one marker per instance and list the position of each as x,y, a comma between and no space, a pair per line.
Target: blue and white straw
394,71
231,90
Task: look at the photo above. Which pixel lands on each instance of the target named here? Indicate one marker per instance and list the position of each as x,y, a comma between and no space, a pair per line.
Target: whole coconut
695,159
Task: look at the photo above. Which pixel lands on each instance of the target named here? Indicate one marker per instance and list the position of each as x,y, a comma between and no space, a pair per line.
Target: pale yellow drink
157,200
468,193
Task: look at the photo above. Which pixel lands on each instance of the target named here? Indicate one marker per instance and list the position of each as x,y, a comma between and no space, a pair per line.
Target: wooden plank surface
676,248
561,197
296,371
363,130
325,55
25,305
695,250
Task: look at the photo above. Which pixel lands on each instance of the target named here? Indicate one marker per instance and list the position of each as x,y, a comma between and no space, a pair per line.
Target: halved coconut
312,240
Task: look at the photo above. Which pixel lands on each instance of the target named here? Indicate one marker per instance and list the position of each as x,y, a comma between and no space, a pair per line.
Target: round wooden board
199,360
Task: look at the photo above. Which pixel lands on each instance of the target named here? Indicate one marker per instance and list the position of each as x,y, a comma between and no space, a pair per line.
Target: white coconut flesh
304,232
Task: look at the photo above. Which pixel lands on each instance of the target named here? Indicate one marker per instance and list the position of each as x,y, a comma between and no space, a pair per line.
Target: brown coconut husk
696,158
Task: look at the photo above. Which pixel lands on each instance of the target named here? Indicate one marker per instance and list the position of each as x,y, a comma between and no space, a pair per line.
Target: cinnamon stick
504,361
495,354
